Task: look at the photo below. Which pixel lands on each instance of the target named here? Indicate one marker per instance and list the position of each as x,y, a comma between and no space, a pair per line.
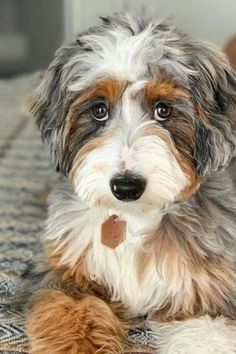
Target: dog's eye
100,112
162,111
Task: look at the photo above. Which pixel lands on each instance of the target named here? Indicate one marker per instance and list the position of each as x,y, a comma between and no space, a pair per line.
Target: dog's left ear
214,93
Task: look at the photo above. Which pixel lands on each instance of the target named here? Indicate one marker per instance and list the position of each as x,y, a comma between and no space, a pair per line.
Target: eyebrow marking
110,89
164,87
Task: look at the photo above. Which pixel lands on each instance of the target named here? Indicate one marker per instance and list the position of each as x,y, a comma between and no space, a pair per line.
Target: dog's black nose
127,187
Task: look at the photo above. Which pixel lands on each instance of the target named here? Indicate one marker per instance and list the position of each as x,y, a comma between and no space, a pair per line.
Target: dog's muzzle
127,187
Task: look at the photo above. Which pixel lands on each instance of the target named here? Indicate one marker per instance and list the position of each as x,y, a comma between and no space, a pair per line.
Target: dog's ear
214,93
50,101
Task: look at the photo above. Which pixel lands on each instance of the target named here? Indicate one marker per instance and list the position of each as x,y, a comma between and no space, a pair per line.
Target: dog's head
136,111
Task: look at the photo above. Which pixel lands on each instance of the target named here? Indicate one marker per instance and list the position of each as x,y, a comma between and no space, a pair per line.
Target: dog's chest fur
128,271
136,276
167,272
140,290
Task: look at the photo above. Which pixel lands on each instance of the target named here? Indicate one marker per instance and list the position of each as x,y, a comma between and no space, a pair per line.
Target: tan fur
185,161
167,88
203,118
180,266
165,136
59,324
111,89
96,143
145,259
77,275
76,120
79,284
164,87
76,280
199,278
195,180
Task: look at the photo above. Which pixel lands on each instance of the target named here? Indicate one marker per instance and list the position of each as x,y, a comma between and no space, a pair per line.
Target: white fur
115,54
129,148
76,216
80,218
202,335
118,268
119,54
73,227
148,156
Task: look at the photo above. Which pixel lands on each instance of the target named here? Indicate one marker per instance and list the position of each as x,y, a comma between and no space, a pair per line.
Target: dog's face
137,114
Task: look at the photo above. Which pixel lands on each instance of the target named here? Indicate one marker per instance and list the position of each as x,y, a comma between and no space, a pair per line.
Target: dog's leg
58,324
202,335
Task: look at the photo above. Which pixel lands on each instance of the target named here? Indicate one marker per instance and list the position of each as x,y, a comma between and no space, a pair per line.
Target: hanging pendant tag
113,232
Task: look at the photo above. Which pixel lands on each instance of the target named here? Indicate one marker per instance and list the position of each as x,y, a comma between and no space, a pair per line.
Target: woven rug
25,181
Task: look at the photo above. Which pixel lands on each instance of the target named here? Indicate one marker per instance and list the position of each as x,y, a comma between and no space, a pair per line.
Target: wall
13,43
81,14
213,20
42,22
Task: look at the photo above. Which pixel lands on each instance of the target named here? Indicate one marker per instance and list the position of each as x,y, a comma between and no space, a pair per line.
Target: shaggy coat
138,99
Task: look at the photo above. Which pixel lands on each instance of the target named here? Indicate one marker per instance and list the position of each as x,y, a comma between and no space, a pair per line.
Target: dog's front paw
196,336
59,324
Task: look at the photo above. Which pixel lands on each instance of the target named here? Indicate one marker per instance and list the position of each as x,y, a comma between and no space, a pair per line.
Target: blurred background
31,30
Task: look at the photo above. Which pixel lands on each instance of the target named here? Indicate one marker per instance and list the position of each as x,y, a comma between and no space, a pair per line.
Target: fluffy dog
141,119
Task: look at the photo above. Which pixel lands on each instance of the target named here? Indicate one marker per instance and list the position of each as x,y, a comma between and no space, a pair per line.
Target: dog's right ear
46,105
50,101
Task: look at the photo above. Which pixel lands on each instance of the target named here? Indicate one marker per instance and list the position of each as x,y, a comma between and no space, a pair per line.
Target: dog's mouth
127,187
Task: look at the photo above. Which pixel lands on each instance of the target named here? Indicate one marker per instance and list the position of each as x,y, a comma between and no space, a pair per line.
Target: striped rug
25,178
25,181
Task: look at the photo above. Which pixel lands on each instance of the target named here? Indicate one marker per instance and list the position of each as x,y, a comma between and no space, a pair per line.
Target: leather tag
113,232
